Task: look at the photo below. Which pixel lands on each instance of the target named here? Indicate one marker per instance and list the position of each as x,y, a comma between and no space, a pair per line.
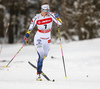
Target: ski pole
14,56
4,37
61,50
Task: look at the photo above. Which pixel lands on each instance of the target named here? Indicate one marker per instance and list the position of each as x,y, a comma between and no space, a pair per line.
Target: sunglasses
46,10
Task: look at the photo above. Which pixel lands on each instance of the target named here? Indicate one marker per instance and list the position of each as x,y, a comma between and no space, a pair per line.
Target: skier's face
45,12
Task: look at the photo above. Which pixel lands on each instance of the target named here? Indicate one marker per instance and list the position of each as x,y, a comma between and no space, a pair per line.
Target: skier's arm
55,17
32,25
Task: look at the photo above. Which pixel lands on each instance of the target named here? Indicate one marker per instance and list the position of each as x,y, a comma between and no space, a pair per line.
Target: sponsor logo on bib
44,21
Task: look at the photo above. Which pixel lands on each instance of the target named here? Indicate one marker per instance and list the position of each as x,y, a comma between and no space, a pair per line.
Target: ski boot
39,78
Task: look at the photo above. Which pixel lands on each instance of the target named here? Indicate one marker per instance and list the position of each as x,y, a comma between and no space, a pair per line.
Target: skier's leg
46,48
39,47
40,62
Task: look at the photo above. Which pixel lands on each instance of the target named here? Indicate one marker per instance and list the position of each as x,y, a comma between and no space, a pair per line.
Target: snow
82,60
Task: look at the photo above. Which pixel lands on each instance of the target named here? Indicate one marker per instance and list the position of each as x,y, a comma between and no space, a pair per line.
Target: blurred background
81,19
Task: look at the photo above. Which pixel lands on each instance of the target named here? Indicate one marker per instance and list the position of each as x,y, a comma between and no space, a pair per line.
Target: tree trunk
1,22
10,32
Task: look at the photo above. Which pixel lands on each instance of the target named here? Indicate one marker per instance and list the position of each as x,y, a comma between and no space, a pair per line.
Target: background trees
81,18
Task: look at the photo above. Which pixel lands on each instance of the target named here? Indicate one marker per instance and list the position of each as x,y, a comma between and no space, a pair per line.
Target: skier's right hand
25,40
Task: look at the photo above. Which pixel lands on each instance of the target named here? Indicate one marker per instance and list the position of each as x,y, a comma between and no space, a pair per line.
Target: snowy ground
82,63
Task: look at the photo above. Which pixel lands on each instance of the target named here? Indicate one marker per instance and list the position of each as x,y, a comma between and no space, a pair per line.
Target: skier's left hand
56,15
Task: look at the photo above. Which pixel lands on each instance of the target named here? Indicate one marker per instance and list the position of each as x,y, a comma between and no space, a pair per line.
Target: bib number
45,26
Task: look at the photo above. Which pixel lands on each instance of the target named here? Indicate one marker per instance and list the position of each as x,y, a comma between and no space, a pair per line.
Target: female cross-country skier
42,38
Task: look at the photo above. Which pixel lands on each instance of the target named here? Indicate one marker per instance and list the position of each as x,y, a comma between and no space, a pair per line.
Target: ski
43,74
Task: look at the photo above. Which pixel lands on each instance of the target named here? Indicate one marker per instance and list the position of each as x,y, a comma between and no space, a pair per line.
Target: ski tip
5,66
66,77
